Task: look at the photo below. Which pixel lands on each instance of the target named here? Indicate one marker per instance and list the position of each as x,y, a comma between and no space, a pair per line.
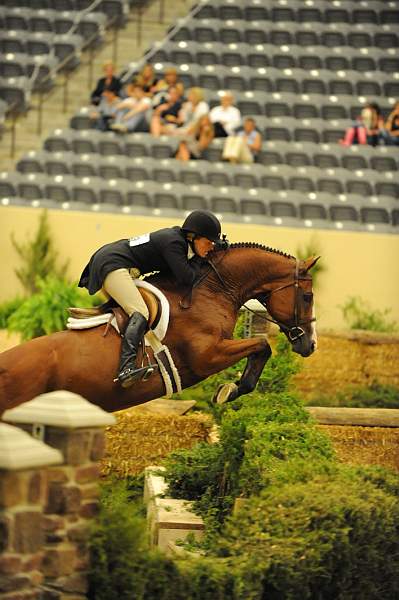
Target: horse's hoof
224,392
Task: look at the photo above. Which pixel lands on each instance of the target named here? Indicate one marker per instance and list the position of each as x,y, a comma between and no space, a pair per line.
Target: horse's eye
308,297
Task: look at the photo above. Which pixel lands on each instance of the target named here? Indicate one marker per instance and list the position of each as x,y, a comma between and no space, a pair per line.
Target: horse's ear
310,262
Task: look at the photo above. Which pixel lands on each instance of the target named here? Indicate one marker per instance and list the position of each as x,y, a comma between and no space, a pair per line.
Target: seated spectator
244,146
194,145
191,111
147,79
131,113
108,82
225,117
104,114
390,132
170,79
165,116
367,128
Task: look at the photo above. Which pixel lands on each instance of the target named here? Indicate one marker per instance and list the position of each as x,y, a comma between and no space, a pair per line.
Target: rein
294,332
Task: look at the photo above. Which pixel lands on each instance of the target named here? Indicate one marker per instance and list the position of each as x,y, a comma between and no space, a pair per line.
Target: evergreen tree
39,257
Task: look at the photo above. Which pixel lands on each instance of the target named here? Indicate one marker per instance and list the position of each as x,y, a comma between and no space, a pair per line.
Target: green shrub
122,565
359,315
279,452
312,248
283,364
375,395
7,309
46,311
39,257
330,538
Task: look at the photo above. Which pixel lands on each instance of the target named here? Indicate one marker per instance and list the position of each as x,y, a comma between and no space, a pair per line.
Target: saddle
153,304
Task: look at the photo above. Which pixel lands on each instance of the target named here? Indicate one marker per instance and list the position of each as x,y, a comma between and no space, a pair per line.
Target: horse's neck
244,270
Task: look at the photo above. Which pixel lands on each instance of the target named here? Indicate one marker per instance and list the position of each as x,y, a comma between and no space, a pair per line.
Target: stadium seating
301,69
36,38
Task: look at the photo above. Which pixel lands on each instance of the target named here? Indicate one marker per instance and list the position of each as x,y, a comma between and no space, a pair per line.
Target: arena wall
356,263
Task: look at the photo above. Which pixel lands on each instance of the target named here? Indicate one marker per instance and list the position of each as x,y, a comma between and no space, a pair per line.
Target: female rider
174,250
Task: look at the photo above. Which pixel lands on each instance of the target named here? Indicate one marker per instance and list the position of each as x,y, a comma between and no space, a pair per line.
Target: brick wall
46,511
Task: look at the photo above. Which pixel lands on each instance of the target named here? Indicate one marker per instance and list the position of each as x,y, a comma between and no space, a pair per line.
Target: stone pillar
23,496
75,427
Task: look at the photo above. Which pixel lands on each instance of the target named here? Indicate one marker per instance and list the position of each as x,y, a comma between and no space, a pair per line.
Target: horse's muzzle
303,345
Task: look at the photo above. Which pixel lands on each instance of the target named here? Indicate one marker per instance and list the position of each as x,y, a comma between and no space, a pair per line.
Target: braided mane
258,246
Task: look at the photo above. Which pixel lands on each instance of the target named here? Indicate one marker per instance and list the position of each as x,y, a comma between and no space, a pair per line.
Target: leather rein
294,332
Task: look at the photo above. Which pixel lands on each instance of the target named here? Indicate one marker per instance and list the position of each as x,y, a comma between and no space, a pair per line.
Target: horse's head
290,305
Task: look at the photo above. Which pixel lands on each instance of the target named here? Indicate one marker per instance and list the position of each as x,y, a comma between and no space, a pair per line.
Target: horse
199,335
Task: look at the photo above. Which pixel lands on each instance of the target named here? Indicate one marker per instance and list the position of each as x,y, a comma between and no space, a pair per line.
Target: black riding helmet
203,223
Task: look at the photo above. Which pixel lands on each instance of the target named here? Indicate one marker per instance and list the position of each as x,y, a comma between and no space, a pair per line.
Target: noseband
293,332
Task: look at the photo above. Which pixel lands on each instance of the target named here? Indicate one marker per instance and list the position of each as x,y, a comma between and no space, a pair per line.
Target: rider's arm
184,271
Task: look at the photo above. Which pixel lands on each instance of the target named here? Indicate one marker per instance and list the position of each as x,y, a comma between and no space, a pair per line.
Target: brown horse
199,335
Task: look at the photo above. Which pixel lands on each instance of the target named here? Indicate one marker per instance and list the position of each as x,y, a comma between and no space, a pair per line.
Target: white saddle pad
160,330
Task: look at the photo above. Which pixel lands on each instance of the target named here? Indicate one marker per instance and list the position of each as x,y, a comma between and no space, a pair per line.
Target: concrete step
169,520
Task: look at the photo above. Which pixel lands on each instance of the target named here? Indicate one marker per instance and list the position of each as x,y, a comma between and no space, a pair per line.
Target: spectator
193,146
390,132
165,116
367,128
108,82
225,117
131,113
104,114
192,111
170,78
244,146
147,79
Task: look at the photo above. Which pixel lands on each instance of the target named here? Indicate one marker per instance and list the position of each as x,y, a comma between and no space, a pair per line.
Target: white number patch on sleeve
139,240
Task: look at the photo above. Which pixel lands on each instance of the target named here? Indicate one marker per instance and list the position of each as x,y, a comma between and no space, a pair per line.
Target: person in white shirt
226,118
191,111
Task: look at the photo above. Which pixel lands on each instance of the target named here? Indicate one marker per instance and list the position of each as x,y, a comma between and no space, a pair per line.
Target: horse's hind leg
249,379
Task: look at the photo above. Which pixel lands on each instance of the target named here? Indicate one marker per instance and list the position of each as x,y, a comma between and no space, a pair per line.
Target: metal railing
14,113
180,23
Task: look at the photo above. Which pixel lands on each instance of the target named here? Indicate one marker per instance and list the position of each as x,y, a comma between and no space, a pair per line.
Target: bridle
293,332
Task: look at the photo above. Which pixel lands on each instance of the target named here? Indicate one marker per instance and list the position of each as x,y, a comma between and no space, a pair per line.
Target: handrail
43,96
126,76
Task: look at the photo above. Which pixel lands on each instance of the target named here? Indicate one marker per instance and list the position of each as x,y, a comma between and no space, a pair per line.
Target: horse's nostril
313,346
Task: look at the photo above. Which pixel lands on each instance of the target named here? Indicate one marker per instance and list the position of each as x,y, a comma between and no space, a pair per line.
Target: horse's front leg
228,352
247,383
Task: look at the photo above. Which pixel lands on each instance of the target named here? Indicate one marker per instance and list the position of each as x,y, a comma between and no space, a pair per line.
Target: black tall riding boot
128,371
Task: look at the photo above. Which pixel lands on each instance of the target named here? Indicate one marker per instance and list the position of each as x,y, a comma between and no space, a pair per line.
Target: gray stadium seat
86,190
83,165
31,186
374,215
12,42
343,213
113,191
59,188
31,162
58,163
42,20
9,184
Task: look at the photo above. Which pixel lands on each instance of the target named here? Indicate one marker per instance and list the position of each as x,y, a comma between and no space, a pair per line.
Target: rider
174,250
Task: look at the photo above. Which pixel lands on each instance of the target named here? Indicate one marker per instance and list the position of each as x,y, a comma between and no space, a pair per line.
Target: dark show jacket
164,251
114,85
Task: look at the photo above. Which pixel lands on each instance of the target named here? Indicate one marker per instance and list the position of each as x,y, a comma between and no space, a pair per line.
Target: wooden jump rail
363,417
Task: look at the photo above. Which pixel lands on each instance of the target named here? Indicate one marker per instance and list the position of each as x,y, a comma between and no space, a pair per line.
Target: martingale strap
167,367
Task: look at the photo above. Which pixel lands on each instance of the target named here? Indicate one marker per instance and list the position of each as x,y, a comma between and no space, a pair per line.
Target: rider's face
202,246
